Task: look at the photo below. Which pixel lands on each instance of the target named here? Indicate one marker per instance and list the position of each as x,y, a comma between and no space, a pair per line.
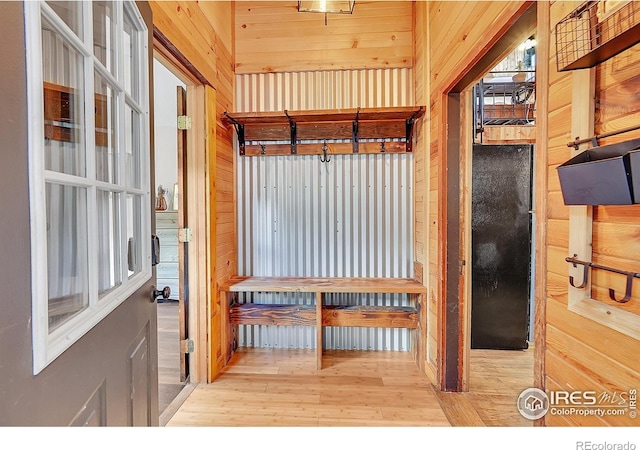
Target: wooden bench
319,315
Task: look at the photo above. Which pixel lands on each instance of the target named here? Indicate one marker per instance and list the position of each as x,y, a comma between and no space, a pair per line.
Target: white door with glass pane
89,162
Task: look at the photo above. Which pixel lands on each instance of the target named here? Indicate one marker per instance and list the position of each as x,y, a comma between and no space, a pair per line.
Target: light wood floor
496,379
169,384
264,387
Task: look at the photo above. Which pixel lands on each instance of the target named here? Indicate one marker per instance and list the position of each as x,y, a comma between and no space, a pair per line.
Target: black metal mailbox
634,161
602,175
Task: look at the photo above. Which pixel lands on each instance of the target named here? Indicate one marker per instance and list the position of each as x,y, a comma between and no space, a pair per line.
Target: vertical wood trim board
541,194
581,217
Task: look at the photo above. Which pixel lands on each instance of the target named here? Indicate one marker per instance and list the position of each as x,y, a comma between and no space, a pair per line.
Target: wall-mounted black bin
603,175
634,161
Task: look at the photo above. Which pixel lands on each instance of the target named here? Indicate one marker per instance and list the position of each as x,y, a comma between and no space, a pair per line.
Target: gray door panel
92,382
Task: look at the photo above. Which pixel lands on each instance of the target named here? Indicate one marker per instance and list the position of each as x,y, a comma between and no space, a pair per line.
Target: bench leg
226,334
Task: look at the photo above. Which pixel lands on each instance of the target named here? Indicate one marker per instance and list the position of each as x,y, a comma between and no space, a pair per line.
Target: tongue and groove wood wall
275,37
582,354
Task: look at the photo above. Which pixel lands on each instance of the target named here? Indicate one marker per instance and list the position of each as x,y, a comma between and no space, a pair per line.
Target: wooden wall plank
427,340
194,38
595,362
523,134
218,13
275,37
569,420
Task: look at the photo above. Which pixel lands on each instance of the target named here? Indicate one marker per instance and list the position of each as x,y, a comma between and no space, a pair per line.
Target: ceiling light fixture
326,7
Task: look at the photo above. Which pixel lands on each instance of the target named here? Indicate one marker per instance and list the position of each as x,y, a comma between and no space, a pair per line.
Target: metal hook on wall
627,294
324,158
585,275
263,150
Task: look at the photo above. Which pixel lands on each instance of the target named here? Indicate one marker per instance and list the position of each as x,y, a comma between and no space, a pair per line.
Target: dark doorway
501,246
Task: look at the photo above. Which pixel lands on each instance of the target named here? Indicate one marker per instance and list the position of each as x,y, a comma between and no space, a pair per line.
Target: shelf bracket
239,133
409,133
294,134
355,135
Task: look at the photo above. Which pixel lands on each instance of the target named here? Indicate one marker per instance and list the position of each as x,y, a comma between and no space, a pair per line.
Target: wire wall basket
596,31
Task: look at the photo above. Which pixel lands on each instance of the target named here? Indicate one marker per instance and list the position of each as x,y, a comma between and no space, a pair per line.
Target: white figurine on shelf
161,201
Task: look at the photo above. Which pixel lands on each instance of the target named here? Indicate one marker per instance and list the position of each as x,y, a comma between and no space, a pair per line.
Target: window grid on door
89,165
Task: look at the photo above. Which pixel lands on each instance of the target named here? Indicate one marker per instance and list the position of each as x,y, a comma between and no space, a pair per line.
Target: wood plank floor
265,387
496,379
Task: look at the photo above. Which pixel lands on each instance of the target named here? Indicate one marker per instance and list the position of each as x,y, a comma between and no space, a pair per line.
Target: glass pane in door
133,125
105,124
64,102
67,252
109,242
134,233
104,34
131,56
70,12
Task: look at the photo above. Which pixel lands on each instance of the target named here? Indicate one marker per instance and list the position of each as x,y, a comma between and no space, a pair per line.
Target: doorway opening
469,364
502,214
499,226
170,270
502,223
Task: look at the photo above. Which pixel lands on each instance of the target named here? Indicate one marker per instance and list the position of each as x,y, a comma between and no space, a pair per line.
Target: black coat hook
324,158
627,294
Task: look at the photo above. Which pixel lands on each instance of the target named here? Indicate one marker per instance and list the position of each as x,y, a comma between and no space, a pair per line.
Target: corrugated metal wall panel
352,216
324,90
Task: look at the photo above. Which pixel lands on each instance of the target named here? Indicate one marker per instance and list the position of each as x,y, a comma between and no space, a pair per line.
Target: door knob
164,293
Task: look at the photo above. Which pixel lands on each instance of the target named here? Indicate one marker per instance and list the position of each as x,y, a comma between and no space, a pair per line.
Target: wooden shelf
318,315
391,127
324,284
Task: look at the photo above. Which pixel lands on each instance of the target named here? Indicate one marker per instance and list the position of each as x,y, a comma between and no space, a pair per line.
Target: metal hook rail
585,277
594,140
